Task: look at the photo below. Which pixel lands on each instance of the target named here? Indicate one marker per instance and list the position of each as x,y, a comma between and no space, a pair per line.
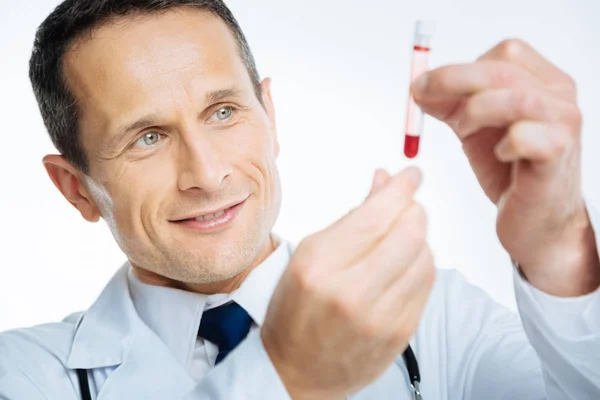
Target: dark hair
72,19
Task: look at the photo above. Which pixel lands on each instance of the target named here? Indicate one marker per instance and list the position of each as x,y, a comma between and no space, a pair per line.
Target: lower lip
214,224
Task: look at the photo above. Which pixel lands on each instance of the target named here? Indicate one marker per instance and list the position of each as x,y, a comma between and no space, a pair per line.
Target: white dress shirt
140,342
163,319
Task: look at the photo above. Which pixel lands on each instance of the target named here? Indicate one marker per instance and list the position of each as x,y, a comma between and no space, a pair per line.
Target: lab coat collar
129,312
104,332
111,333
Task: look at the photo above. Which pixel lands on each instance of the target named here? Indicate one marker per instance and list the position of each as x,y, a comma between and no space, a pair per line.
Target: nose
202,166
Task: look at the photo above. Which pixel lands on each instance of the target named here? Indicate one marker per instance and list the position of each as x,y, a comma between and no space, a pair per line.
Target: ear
265,86
69,180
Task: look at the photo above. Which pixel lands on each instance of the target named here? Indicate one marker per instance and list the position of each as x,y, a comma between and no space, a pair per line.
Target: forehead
144,62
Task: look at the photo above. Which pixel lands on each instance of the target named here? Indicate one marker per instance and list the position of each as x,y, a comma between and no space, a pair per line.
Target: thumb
379,180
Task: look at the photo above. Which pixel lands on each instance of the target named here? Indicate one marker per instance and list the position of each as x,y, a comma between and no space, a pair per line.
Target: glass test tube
420,64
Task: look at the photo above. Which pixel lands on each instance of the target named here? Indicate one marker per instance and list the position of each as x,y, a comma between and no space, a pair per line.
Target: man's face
172,129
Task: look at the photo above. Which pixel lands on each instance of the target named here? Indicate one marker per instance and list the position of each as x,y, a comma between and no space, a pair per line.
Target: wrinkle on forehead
131,68
153,48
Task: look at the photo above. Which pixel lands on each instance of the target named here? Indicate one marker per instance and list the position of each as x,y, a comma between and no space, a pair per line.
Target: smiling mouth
212,215
211,222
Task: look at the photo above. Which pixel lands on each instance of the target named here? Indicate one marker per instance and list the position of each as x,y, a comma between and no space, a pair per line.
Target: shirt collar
255,293
105,331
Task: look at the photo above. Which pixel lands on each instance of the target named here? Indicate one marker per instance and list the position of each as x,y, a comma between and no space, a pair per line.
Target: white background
340,71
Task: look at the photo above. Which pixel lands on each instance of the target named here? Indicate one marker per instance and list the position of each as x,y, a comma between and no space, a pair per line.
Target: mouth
213,219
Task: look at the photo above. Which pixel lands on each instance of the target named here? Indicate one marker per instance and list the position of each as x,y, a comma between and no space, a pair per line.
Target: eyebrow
211,97
219,95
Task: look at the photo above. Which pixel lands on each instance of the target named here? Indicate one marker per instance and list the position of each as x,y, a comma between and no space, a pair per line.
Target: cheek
253,152
138,190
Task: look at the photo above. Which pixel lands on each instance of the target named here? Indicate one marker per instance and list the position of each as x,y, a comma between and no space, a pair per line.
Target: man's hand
517,118
352,295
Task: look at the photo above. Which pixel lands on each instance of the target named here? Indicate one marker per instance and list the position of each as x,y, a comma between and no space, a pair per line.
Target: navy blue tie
225,326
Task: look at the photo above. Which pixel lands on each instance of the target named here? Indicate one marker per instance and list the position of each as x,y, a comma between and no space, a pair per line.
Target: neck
225,286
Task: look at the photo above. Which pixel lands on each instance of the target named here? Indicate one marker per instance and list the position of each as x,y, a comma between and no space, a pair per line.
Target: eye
148,139
223,113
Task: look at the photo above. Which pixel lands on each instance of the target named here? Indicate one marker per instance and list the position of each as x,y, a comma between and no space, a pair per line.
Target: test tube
420,64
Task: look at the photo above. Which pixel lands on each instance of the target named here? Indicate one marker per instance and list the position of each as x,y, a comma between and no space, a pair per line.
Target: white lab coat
467,346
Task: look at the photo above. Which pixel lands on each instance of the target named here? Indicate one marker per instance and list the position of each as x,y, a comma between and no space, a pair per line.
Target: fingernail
420,84
414,175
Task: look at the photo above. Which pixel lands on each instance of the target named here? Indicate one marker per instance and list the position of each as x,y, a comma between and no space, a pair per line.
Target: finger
402,304
519,52
441,91
534,141
354,235
502,107
409,316
418,278
379,180
466,79
392,256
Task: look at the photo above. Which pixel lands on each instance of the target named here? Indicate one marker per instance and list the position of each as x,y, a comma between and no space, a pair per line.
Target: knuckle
566,87
307,261
574,117
440,79
303,278
415,236
570,83
503,74
512,49
344,307
529,103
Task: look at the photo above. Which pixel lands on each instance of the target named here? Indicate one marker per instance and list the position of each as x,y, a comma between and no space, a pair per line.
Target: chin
202,259
224,260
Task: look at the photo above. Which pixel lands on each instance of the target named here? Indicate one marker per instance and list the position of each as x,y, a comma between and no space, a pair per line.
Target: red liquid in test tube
420,64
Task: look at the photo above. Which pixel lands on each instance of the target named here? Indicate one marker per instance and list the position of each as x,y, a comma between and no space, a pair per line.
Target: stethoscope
409,359
413,372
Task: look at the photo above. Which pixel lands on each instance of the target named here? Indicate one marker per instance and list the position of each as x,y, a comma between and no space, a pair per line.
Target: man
166,132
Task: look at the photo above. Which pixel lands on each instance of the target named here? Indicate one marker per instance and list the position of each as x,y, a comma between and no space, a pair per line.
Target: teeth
210,216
